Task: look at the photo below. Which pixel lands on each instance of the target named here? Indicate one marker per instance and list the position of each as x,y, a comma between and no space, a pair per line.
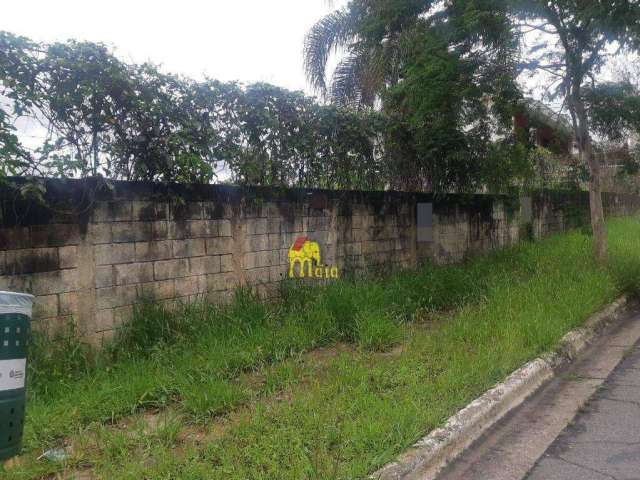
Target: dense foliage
444,72
447,69
14,159
101,116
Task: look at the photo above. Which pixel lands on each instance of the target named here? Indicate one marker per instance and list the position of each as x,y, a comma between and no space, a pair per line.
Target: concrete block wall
91,252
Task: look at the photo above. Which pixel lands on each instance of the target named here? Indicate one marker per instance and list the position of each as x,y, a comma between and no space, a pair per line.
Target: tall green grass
506,308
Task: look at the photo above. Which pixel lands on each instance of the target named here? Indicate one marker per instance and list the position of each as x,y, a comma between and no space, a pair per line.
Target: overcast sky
246,40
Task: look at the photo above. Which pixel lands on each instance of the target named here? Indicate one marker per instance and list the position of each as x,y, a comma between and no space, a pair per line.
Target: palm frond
361,76
333,31
347,82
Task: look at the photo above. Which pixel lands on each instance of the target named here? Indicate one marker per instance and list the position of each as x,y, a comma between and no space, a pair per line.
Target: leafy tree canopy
448,69
105,117
444,72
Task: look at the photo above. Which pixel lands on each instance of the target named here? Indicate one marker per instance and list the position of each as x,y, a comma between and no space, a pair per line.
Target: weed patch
352,412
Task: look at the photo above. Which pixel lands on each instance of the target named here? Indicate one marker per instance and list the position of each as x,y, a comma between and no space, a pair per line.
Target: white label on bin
12,373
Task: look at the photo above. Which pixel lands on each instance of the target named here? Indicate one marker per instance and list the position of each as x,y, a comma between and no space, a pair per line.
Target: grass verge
294,416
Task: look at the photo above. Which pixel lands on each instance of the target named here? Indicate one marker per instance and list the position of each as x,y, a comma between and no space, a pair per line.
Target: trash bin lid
12,302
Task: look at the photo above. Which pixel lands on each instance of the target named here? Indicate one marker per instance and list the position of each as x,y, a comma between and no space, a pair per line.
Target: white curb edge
427,457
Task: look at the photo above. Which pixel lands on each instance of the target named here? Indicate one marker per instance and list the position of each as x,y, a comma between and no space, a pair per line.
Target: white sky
246,40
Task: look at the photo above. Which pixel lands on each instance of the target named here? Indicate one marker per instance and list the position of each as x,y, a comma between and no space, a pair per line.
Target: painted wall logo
306,254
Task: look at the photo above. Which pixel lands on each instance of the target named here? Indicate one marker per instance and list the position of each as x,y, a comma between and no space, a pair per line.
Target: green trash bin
15,316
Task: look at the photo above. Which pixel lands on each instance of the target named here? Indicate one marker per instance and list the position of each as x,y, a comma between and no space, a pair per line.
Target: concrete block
14,238
160,230
250,260
352,248
45,306
359,235
54,282
226,263
217,210
275,241
178,230
123,232
16,283
256,226
202,228
204,265
278,273
274,225
119,211
112,297
255,210
370,246
161,290
31,260
185,211
257,275
273,210
122,315
275,258
131,273
150,251
288,239
259,259
68,256
191,285
220,297
101,339
104,320
55,235
219,245
99,233
256,243
69,304
224,228
317,223
221,281
171,269
148,211
114,253
322,237
104,276
193,247
292,225
264,258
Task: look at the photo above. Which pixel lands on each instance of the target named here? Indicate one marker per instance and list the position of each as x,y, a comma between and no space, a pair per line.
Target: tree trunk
94,148
595,190
597,211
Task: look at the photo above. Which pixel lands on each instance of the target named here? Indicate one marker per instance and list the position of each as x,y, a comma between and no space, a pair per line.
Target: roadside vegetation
328,382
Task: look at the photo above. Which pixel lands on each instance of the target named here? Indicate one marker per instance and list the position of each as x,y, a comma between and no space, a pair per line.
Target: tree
577,39
443,72
452,118
127,121
15,159
373,34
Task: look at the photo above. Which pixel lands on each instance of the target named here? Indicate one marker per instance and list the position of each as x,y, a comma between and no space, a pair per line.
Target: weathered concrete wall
90,253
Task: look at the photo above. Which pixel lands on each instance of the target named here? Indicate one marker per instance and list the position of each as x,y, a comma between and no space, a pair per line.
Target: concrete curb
432,453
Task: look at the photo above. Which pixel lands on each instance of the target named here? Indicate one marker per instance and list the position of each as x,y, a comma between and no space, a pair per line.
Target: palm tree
371,61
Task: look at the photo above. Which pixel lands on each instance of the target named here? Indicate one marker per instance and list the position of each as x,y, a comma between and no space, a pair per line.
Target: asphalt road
603,441
584,424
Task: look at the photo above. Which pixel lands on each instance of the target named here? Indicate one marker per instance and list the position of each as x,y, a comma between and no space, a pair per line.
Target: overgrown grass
352,413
